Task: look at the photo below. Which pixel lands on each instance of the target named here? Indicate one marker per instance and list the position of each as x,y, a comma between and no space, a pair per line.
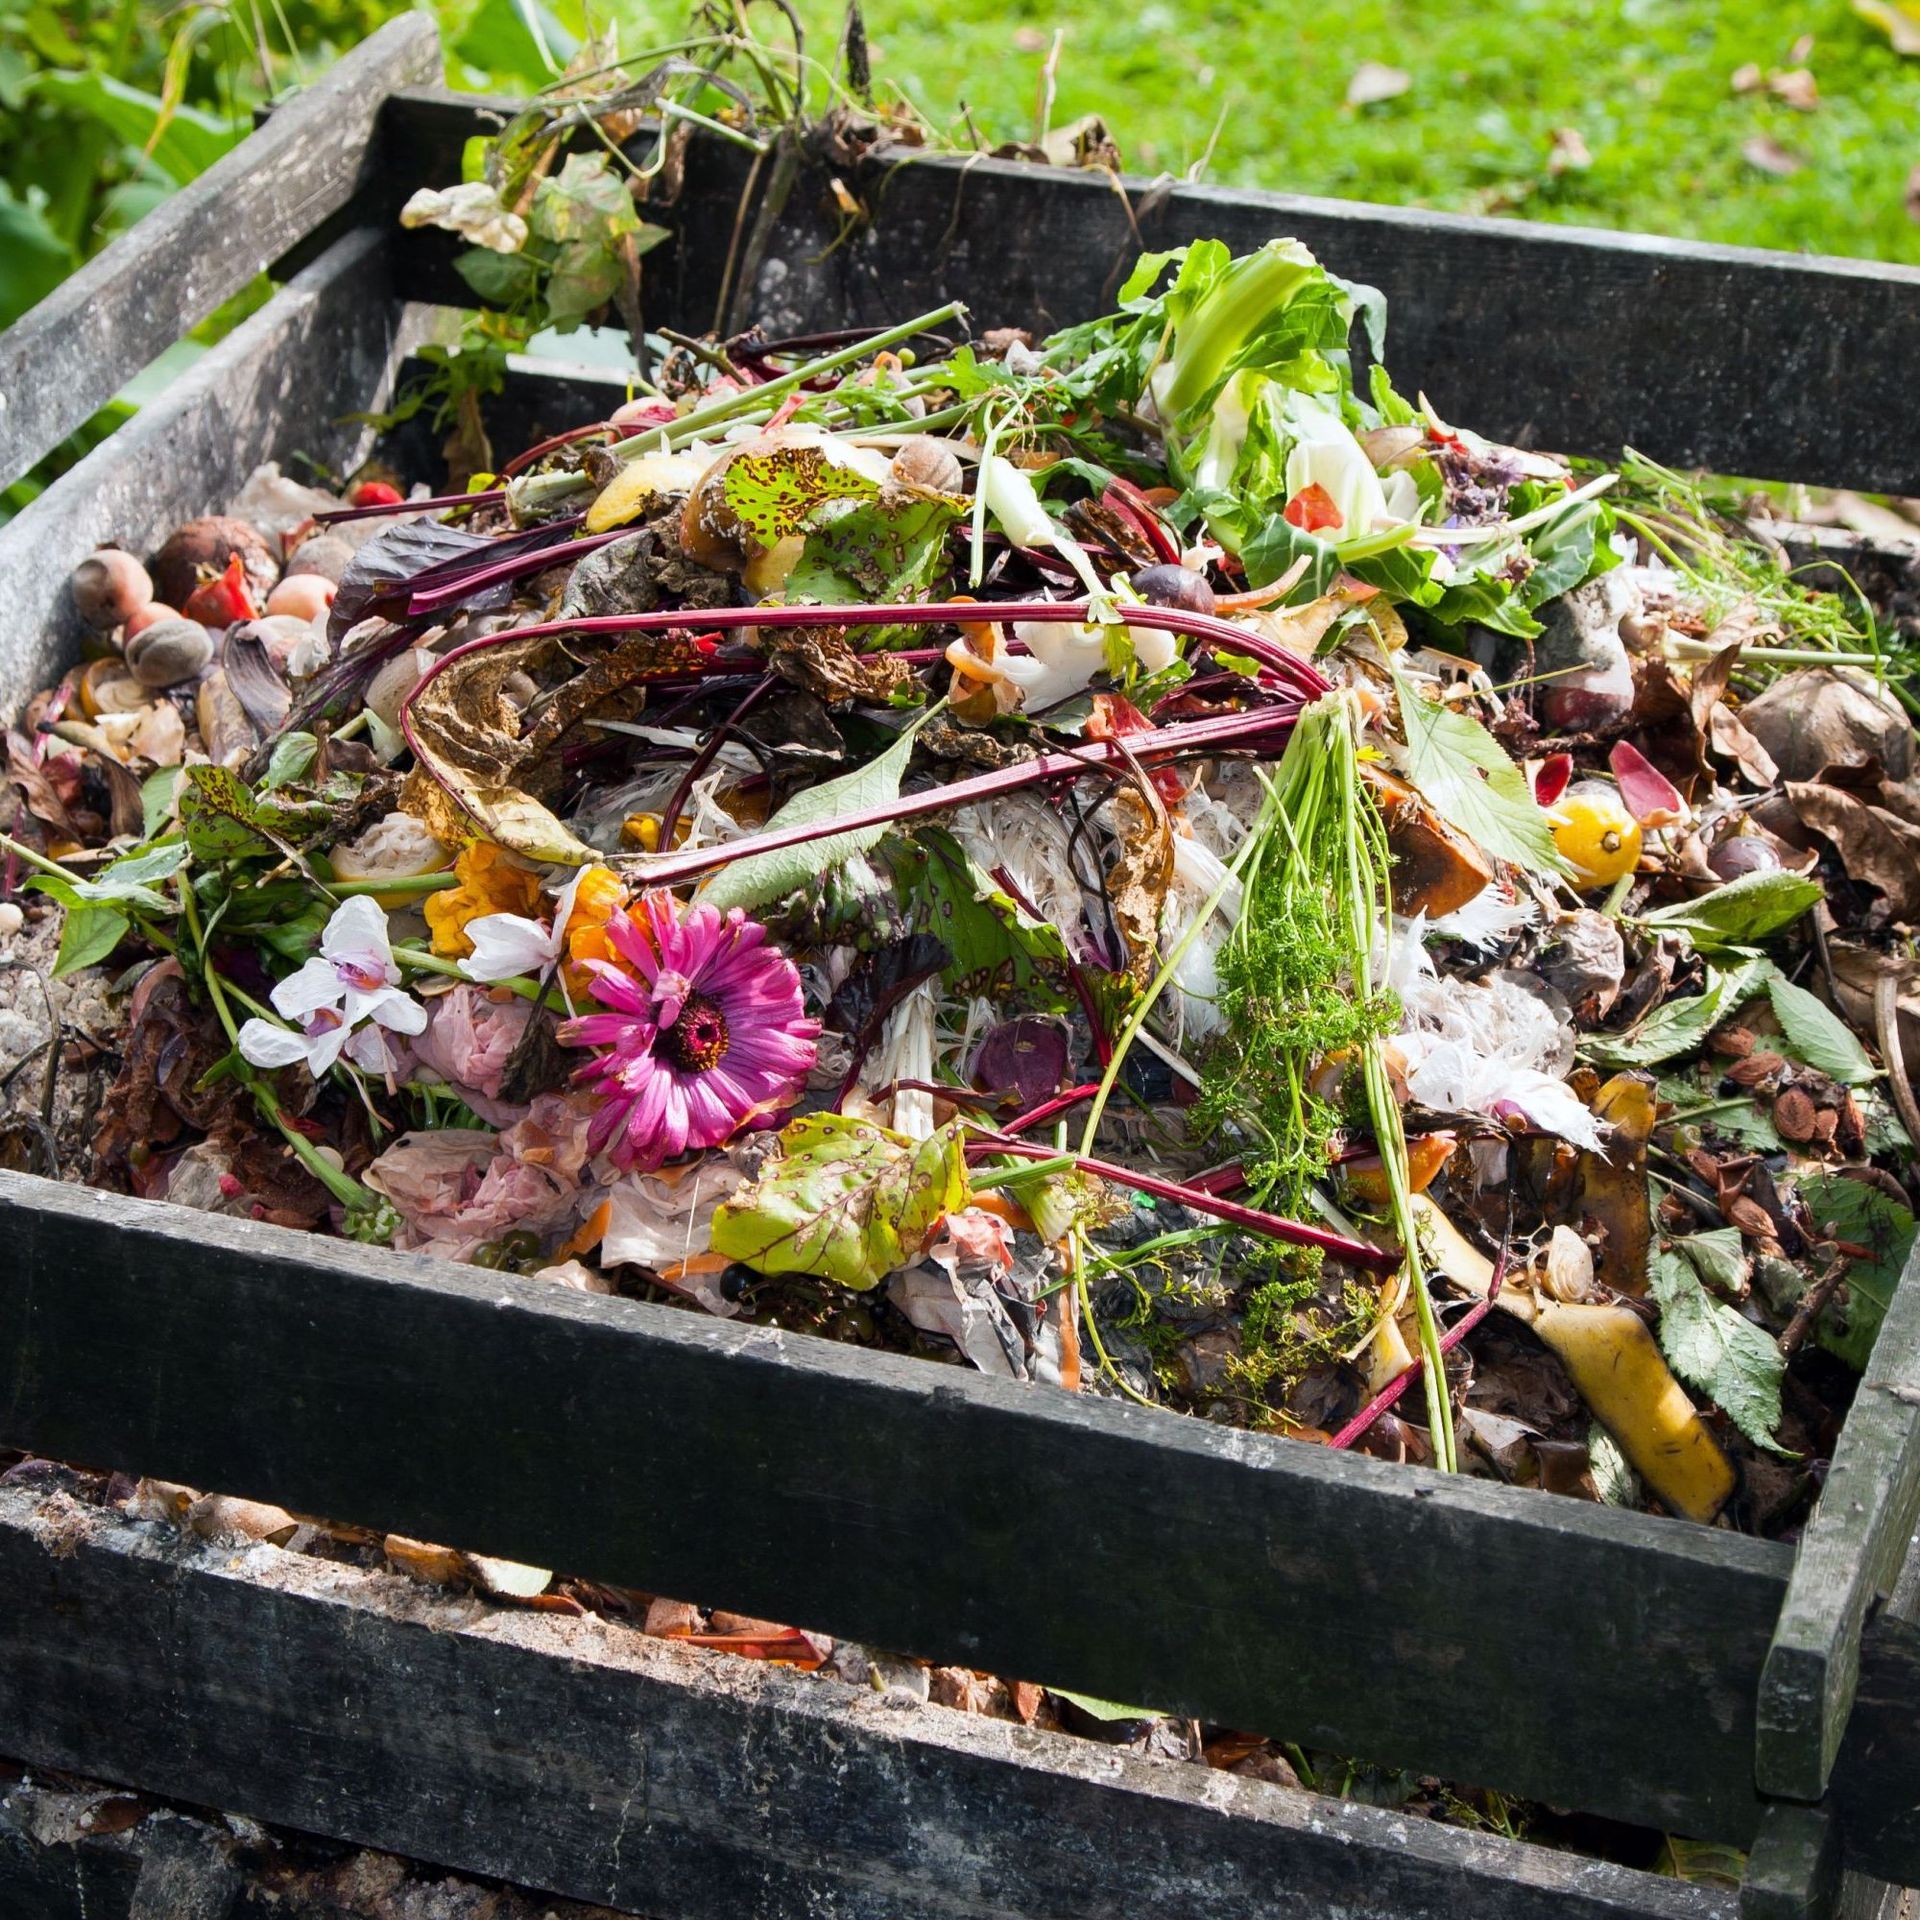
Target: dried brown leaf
1877,848
1769,156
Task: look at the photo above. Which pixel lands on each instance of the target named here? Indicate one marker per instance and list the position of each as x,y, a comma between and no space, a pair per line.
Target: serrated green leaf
1680,1026
1710,1346
1853,1210
1816,1034
1465,777
760,877
1740,914
88,935
847,1201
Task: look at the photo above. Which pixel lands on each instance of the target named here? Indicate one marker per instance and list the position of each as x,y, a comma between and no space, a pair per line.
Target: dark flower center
697,1041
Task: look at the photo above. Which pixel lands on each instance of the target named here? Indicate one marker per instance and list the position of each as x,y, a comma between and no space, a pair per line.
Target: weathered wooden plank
1793,1872
579,1756
278,385
94,332
1747,362
1874,1776
1566,1651
1851,1552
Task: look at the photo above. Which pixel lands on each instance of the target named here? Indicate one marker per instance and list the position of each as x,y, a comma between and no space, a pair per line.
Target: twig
1813,1303
1886,1031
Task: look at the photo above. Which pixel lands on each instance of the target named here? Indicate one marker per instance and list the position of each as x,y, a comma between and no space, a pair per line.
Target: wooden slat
1794,1870
1850,1552
94,332
581,1757
1769,364
1552,1648
277,386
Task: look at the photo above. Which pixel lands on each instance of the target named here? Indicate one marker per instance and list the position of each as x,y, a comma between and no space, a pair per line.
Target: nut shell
169,652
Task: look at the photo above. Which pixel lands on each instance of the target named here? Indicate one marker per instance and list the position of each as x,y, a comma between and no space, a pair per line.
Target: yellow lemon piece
1596,834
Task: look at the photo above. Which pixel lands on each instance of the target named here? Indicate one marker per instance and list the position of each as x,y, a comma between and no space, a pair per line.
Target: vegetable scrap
1140,861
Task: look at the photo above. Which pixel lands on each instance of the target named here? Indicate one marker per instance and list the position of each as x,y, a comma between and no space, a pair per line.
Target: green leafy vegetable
1680,1026
847,1201
1853,1210
1817,1035
774,875
1735,1363
1741,913
1466,778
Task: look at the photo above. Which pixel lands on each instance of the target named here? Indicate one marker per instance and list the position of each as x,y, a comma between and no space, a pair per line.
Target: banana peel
1616,1367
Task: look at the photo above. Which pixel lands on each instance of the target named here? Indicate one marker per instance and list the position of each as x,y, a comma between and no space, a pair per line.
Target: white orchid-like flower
339,1001
1326,455
509,945
472,210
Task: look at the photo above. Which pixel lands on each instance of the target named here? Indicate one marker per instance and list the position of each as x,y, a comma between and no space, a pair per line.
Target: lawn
1642,92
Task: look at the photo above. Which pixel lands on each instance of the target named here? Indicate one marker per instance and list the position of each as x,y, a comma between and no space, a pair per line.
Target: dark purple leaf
1027,1057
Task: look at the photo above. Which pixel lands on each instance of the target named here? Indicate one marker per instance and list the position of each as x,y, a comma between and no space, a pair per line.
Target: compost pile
1133,861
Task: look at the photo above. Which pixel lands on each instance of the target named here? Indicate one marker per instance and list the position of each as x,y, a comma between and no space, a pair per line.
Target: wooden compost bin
1628,1665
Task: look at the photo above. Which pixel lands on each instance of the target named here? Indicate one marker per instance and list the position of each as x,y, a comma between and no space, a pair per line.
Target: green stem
402,883
985,1182
38,861
337,1181
422,961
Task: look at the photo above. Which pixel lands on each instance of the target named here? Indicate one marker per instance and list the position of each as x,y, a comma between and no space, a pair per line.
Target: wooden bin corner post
73,352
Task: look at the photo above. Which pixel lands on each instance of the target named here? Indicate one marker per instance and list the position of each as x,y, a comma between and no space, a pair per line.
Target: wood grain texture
277,386
1849,1554
1553,1648
1770,364
93,333
581,1757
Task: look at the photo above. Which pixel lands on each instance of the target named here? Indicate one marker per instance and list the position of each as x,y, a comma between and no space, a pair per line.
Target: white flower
353,980
508,945
1326,454
472,210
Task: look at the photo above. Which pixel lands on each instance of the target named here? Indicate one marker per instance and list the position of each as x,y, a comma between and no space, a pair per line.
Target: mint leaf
1710,1346
1740,914
1853,1210
1466,778
1681,1026
847,1201
1816,1034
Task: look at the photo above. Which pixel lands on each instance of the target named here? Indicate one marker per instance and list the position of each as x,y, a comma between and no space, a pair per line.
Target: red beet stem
533,560
440,503
1356,1253
1396,1387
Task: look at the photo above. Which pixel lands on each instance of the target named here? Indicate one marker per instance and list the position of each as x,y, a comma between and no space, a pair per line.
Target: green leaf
1740,914
886,551
1855,1211
1710,1346
777,494
33,258
1681,1026
1466,778
87,937
156,799
126,882
188,141
500,279
991,937
1105,1710
1816,1034
772,876
847,1201
514,39
292,755
1703,1863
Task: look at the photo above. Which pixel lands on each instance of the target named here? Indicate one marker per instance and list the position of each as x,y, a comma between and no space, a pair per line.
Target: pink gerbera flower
710,1039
